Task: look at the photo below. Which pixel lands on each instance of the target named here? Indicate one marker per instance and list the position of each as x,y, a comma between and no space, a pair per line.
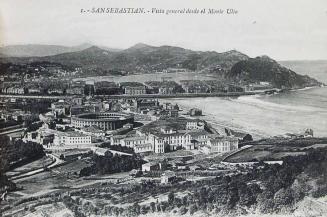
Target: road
33,172
176,95
33,97
12,131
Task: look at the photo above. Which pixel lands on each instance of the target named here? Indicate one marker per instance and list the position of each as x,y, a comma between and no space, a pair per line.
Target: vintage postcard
163,108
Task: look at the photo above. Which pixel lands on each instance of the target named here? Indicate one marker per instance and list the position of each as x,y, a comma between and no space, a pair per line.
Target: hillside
266,69
142,58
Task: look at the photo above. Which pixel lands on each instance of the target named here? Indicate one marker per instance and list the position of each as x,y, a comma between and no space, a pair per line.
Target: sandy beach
219,126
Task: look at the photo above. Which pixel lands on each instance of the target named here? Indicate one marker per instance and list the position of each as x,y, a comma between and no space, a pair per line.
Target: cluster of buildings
89,122
165,87
15,114
14,88
50,87
189,134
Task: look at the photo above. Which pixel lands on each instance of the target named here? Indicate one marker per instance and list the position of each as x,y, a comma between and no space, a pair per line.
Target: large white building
166,137
139,143
169,137
71,139
195,124
137,90
220,144
141,148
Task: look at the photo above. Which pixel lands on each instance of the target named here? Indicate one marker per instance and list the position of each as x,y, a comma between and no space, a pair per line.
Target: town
163,108
82,142
48,79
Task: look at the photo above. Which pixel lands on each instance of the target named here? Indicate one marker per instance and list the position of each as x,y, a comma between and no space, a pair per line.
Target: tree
193,209
171,198
153,206
143,210
247,138
266,206
283,198
182,211
136,208
246,196
5,183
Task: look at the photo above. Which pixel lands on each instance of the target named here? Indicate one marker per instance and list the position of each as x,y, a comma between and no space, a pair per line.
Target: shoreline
219,126
214,119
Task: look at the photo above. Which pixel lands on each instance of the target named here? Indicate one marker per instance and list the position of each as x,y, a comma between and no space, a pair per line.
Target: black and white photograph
163,108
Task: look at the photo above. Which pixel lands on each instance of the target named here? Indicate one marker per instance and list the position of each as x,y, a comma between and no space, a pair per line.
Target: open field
171,155
275,149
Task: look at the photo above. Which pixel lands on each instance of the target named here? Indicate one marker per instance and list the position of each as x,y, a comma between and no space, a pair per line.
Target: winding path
33,172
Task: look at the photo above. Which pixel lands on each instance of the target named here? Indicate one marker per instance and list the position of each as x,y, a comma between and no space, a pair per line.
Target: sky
281,29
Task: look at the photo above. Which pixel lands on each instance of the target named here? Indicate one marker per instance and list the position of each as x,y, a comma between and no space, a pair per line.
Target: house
78,109
195,124
166,90
34,89
168,177
138,90
143,104
100,151
133,88
199,137
75,90
106,88
151,166
14,89
169,138
139,143
135,173
194,86
131,141
164,87
94,105
60,107
71,139
75,154
116,139
77,100
55,91
220,144
142,148
195,168
92,131
172,113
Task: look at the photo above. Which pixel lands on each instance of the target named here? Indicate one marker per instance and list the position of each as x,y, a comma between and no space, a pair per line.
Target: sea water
266,115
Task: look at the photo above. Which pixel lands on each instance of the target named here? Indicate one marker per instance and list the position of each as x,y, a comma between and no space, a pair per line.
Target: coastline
219,126
269,109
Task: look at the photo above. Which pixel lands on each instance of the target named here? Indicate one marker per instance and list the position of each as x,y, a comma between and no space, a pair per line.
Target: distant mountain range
39,50
140,58
143,58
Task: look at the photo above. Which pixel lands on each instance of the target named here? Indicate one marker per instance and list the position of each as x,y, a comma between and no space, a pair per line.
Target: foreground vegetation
14,154
266,189
262,189
110,163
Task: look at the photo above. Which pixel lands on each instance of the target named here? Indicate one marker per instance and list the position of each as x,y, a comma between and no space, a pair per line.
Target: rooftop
93,129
